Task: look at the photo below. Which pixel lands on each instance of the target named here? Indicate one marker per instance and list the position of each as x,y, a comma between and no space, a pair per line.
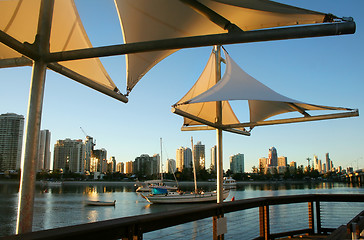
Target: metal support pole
220,197
28,167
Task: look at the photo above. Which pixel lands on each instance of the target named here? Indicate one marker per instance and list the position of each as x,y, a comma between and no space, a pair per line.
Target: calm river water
65,205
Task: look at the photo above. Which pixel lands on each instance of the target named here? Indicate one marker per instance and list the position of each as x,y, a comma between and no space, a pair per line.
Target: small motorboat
229,182
100,203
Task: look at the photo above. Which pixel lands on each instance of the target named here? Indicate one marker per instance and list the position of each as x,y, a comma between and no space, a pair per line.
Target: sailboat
165,196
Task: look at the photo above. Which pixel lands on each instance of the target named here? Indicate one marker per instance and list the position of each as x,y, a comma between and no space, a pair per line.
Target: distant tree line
258,174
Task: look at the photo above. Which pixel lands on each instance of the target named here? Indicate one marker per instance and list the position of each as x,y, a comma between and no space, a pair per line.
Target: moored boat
52,183
147,186
100,203
229,182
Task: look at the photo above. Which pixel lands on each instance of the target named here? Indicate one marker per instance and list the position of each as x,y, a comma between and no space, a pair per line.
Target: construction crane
84,132
88,136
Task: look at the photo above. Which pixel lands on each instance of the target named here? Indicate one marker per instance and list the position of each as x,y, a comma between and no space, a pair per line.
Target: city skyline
272,158
326,70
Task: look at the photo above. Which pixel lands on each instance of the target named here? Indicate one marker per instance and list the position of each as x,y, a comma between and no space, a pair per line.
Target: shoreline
182,183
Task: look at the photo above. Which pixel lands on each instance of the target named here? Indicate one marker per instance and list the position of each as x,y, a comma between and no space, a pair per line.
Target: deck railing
136,227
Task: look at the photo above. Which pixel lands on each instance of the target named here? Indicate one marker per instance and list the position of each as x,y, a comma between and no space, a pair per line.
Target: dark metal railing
134,227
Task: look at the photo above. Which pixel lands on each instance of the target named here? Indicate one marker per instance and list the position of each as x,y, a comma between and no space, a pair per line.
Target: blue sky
325,71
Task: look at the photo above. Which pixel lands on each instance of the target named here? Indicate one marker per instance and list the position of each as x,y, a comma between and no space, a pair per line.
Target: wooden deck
305,237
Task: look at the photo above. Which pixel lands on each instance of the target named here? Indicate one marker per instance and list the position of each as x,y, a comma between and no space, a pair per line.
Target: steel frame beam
354,113
319,30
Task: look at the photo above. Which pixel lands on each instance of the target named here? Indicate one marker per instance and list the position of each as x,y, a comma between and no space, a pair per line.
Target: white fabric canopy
19,19
146,20
206,110
236,84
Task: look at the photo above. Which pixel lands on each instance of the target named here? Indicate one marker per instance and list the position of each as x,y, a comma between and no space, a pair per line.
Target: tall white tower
11,141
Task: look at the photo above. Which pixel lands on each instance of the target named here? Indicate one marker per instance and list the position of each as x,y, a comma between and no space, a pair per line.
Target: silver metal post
28,167
220,196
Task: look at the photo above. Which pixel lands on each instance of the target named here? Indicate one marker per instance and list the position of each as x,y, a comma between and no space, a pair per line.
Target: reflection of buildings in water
92,215
44,207
105,188
91,191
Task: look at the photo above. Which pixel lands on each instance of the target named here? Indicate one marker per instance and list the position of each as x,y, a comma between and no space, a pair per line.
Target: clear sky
325,71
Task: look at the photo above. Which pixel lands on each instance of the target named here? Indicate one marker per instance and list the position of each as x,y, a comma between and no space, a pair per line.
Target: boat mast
194,166
219,169
161,163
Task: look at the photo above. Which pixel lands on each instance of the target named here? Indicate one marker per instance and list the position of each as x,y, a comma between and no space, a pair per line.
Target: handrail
136,226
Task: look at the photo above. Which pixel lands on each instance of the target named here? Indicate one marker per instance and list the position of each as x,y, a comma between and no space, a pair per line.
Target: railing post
311,220
355,233
261,222
318,217
215,223
264,222
134,233
219,225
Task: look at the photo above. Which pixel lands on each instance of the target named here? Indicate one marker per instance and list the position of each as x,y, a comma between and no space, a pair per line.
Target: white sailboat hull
185,198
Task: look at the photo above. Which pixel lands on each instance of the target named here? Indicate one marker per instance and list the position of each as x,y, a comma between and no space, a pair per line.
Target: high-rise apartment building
263,163
328,165
315,162
199,155
69,155
272,157
120,167
44,152
237,163
156,164
282,164
171,166
187,158
11,140
89,148
99,162
146,165
282,161
129,167
293,164
319,166
183,158
111,165
213,158
179,158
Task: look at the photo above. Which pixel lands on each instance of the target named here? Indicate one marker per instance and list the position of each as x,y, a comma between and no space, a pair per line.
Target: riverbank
182,183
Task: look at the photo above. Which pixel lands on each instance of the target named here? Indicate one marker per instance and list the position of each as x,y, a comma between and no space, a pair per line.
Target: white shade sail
19,19
145,20
236,84
206,110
